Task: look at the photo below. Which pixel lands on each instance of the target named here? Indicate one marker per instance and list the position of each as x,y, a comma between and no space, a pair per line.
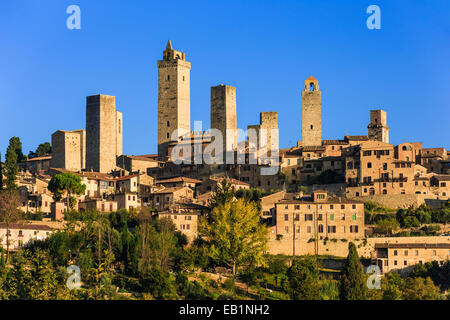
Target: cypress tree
11,169
353,284
1,172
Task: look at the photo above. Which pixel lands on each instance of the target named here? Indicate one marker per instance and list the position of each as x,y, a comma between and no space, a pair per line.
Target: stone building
69,150
103,133
173,98
311,113
20,234
266,139
402,256
185,217
319,218
371,168
223,115
378,129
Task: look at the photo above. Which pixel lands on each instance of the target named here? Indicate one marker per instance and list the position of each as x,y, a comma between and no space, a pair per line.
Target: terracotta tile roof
330,200
312,148
413,245
39,158
231,180
178,179
27,226
334,142
356,138
126,177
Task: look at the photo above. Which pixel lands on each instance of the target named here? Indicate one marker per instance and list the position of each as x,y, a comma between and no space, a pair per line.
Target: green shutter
331,217
354,216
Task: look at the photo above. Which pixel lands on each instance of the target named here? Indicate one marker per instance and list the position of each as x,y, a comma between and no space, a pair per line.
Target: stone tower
174,102
223,115
377,128
69,150
103,133
268,122
311,113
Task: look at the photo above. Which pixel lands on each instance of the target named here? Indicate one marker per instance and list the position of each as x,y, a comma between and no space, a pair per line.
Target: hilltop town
319,195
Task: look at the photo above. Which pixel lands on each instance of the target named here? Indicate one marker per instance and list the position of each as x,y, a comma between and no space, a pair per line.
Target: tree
68,183
41,150
11,169
304,279
1,172
387,226
411,222
420,289
9,212
392,285
235,234
353,285
16,145
223,193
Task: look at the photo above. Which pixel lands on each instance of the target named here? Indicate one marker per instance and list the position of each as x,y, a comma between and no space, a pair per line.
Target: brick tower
174,106
311,113
377,128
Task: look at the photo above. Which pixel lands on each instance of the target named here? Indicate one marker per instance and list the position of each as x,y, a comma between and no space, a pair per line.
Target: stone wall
339,248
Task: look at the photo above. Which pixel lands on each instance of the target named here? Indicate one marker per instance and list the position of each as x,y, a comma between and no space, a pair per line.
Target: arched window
404,148
168,123
384,191
311,86
312,127
320,228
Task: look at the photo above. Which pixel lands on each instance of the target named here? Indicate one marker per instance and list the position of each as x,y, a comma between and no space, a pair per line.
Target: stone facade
378,129
103,133
174,106
69,150
223,115
311,113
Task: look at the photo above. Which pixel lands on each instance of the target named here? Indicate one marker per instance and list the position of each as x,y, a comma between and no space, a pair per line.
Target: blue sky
266,49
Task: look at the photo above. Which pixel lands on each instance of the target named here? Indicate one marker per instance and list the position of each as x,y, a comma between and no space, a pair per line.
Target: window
311,127
308,217
319,217
406,252
354,216
416,252
168,77
395,252
286,217
168,123
168,136
353,206
331,206
395,262
331,217
297,217
331,229
405,263
320,228
342,206
369,165
384,166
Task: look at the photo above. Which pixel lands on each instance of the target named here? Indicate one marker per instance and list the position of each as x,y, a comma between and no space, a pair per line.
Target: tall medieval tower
311,113
223,115
174,102
103,133
378,129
